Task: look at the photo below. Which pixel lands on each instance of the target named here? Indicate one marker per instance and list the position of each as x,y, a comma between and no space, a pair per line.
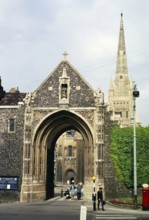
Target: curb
119,205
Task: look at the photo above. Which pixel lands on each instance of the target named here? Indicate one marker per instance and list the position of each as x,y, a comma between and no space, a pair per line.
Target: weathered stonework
51,98
64,101
11,144
73,106
40,120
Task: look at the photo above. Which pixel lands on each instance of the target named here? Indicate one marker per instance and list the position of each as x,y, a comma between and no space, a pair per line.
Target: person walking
72,189
100,199
79,188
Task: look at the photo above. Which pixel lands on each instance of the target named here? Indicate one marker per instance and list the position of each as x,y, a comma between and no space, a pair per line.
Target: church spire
121,68
120,92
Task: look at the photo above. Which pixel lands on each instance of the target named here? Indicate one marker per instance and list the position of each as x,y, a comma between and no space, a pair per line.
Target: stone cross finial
65,54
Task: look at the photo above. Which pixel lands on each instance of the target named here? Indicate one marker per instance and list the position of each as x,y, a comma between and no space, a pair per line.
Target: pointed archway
42,151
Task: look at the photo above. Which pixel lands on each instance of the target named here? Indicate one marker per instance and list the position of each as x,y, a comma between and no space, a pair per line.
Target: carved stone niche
64,88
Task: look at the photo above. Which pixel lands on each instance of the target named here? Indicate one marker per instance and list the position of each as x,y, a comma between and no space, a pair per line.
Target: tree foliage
121,152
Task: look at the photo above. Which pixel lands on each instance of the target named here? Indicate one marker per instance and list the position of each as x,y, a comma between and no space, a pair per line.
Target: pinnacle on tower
121,68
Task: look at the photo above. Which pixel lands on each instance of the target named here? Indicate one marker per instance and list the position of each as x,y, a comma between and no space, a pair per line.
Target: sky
34,34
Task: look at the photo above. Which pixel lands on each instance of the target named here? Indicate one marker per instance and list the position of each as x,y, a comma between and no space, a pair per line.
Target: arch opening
52,168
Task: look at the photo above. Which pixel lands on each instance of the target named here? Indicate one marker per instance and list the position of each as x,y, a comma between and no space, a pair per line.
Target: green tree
121,152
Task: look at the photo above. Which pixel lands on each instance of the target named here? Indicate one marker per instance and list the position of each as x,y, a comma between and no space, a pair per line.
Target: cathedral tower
120,98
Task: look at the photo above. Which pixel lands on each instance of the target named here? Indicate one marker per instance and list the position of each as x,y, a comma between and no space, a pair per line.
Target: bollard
94,201
94,194
83,212
61,192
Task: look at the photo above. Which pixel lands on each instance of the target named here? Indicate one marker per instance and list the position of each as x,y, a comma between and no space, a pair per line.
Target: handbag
104,203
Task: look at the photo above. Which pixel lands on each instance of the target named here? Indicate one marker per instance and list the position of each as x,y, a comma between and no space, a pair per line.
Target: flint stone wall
11,145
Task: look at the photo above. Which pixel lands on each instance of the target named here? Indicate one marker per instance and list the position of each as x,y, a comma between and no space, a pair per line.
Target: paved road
62,209
53,209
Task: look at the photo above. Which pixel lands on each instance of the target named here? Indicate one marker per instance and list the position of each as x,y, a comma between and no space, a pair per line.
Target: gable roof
75,70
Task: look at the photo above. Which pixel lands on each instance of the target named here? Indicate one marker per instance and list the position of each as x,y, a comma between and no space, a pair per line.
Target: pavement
113,209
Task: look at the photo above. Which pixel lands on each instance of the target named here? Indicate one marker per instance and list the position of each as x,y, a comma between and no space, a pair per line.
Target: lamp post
135,95
94,194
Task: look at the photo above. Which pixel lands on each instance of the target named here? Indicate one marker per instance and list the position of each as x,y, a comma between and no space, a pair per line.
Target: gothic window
69,151
126,114
64,91
11,125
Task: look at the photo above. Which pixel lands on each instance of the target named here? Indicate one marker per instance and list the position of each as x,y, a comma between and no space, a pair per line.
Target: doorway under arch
69,157
70,176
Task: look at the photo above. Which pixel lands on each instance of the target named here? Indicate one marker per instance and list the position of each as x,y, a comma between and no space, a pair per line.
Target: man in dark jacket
79,188
100,199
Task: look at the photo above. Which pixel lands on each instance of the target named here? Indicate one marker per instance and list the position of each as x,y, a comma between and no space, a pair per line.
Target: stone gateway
31,124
